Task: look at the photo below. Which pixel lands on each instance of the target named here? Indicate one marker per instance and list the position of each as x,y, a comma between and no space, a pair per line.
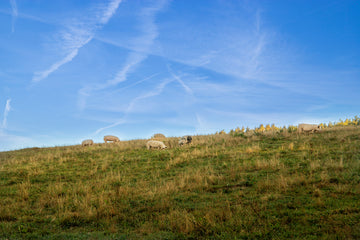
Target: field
264,186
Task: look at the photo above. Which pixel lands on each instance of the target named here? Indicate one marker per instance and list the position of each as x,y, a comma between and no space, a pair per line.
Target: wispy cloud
130,65
25,16
77,34
6,112
255,63
240,53
240,56
132,61
200,126
118,122
14,13
153,93
142,43
84,93
139,53
182,83
108,11
38,76
158,90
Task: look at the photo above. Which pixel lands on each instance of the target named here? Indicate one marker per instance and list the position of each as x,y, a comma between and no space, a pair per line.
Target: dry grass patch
24,190
314,165
304,146
178,220
333,164
253,149
180,159
343,188
317,192
282,183
197,179
270,197
291,146
272,164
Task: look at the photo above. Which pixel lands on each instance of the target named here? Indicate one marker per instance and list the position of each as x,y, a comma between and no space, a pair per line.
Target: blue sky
72,70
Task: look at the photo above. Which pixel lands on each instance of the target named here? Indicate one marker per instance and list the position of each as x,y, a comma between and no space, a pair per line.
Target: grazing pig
158,136
110,138
185,140
155,144
304,127
87,142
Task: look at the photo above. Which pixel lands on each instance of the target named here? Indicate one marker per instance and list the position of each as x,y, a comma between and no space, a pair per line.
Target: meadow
271,185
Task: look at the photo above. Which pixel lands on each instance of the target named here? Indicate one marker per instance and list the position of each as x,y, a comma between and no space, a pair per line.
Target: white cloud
158,90
108,94
246,50
24,16
109,11
201,126
132,61
6,112
38,76
120,121
140,50
14,8
182,83
77,34
236,52
154,93
14,13
245,54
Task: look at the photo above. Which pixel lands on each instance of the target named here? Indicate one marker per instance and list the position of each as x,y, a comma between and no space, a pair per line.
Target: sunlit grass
278,185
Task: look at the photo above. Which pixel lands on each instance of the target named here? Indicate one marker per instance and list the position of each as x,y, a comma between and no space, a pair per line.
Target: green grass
264,186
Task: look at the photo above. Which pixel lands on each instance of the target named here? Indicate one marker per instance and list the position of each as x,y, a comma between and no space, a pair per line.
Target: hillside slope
280,185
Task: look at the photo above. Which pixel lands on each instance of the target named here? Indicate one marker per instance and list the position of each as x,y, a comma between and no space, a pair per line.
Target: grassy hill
265,186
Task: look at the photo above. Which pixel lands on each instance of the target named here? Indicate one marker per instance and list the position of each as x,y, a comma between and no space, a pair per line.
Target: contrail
135,58
75,38
14,14
158,90
6,112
